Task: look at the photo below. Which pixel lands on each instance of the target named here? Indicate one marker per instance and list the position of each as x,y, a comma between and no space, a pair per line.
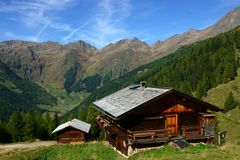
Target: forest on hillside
192,69
201,66
18,94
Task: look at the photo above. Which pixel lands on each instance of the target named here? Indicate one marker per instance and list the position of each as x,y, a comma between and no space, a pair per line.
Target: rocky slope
116,59
45,62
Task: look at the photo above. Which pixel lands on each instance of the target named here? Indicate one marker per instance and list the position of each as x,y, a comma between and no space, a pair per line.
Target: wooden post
184,133
221,137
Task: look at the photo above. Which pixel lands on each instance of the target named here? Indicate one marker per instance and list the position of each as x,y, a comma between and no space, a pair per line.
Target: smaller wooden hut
72,131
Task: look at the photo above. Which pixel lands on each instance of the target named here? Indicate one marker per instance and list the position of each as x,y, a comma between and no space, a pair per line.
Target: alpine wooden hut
72,131
138,116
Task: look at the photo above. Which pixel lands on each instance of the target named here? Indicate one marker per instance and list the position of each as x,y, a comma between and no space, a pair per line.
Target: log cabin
72,131
139,116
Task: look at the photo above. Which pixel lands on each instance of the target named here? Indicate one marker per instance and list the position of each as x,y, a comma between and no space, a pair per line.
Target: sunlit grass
103,151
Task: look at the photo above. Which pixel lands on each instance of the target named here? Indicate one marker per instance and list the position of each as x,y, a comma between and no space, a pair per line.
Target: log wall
69,135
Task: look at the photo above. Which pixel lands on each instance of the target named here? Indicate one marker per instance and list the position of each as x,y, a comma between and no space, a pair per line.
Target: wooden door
171,124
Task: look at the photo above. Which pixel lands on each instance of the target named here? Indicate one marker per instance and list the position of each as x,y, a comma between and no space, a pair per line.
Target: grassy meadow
103,151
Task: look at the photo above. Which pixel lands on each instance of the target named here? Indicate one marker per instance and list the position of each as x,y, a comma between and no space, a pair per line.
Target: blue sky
100,22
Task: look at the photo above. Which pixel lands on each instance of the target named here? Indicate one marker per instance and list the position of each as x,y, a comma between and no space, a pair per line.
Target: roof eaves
214,108
104,112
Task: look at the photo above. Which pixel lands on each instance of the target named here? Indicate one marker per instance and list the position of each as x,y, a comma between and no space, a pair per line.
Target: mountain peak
81,45
229,21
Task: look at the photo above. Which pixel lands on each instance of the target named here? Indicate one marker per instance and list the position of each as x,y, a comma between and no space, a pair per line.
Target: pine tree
28,127
230,103
4,135
186,88
56,120
82,114
90,118
39,128
48,125
229,72
202,88
52,125
15,126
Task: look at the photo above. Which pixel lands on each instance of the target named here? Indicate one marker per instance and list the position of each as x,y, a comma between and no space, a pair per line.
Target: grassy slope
229,121
102,151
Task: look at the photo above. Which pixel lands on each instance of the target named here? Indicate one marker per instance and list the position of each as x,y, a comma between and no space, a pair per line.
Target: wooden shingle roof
127,99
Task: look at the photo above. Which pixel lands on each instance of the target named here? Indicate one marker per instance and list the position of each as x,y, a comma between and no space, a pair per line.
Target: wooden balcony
154,136
164,135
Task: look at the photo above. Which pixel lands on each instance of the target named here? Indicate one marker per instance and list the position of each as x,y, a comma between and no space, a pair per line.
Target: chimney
143,84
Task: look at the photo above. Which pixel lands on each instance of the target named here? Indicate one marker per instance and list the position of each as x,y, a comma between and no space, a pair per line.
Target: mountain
45,62
121,57
18,94
125,55
193,69
63,65
78,66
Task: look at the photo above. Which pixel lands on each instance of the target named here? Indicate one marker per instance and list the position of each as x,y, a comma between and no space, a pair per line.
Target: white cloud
41,31
39,13
107,25
74,31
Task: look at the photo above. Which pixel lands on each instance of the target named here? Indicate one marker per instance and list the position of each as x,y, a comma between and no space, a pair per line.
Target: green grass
168,153
229,121
86,151
102,151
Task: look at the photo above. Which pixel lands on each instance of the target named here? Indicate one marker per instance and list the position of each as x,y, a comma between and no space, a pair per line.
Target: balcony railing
161,135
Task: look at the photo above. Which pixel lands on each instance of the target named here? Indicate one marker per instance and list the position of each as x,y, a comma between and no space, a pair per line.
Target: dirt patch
11,147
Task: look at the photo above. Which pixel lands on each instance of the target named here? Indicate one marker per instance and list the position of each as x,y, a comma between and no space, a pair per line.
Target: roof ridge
75,123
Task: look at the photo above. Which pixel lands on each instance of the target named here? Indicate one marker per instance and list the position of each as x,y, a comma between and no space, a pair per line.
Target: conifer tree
186,88
53,124
15,126
49,127
4,135
90,118
82,114
229,72
230,103
201,90
28,126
